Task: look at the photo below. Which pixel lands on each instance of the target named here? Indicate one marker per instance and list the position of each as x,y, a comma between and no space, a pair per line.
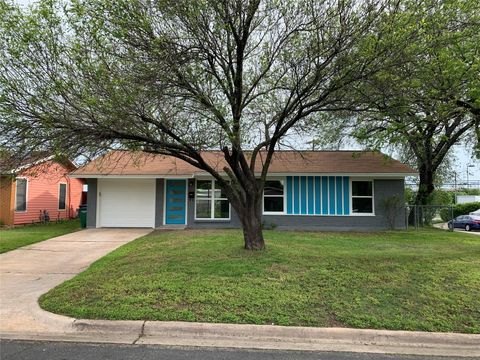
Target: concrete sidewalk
28,272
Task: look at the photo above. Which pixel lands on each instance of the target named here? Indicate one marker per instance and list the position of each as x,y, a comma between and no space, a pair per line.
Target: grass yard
14,238
417,280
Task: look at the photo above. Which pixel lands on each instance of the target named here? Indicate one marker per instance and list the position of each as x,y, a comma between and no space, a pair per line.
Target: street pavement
40,350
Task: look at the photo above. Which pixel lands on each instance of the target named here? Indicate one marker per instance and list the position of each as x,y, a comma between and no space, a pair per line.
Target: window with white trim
211,201
273,196
21,195
362,197
62,196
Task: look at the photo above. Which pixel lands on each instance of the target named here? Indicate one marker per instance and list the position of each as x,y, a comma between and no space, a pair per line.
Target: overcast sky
462,155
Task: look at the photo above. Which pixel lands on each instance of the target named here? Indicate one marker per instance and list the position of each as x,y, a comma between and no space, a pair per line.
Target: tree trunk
252,233
251,218
425,189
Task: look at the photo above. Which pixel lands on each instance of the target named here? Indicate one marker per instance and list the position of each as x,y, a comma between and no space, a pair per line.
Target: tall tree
431,101
176,77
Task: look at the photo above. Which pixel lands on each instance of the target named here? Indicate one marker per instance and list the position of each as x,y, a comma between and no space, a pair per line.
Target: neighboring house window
210,201
362,197
62,195
21,195
273,196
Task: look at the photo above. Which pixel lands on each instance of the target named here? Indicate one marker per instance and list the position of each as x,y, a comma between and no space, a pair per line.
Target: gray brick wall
159,185
92,203
382,190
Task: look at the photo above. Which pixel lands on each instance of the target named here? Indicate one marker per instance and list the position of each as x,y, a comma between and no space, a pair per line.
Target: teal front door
175,202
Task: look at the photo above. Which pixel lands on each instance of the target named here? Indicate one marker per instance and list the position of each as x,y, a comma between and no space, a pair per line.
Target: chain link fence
417,216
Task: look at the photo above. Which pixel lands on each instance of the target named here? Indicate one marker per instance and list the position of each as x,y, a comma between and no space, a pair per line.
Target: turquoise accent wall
324,195
311,198
318,195
346,191
289,195
303,192
331,195
339,195
296,195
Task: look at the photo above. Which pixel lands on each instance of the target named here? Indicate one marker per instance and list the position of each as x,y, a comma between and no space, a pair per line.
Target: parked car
476,212
467,222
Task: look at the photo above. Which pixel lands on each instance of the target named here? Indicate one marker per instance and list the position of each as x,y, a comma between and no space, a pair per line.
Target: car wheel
467,227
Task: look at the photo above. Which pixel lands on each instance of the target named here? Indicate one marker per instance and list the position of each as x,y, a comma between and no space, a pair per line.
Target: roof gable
13,166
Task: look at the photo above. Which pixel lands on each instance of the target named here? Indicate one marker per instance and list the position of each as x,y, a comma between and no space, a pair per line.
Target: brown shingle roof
284,162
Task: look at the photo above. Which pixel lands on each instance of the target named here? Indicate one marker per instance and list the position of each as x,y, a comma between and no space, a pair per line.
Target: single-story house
323,190
37,189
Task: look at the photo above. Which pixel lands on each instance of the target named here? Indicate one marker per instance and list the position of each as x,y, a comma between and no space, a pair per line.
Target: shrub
392,205
468,191
459,209
410,195
438,197
442,197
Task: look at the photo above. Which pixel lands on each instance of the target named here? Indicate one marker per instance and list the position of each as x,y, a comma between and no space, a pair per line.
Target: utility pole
468,173
455,188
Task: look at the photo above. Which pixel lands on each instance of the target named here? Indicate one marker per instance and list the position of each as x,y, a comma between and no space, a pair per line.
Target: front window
362,197
273,196
21,195
210,201
62,195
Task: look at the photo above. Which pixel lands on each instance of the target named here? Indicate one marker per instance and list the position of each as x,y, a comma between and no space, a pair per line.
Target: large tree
431,101
176,77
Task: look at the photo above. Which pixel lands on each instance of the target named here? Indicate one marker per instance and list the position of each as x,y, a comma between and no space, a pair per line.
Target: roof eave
200,174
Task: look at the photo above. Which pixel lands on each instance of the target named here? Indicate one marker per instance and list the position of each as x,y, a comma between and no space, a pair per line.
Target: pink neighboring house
39,186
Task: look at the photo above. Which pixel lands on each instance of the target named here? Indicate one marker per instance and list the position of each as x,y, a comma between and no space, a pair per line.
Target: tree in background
176,77
428,103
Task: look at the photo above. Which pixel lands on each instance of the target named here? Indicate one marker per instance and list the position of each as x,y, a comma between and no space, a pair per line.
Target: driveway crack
142,333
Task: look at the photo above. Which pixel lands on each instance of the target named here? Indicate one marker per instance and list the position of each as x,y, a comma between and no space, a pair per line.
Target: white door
126,203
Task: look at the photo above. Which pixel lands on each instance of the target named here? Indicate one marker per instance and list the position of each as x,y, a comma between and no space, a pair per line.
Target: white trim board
26,195
212,205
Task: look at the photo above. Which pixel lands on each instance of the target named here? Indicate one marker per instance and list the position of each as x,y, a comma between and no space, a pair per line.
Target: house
37,187
327,190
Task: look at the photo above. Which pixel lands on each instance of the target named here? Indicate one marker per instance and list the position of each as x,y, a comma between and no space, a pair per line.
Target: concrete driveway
31,271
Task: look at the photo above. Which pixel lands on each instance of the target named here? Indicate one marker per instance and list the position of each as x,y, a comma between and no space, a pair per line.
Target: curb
265,337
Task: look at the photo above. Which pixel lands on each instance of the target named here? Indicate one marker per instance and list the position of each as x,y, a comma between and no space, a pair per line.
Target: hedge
459,209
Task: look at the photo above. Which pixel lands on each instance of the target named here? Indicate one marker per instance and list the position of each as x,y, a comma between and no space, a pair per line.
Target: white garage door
126,203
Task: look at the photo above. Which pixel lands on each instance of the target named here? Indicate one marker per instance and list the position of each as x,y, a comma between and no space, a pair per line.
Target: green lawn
418,280
14,238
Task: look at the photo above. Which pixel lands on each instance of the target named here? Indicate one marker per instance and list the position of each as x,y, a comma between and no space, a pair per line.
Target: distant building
463,199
